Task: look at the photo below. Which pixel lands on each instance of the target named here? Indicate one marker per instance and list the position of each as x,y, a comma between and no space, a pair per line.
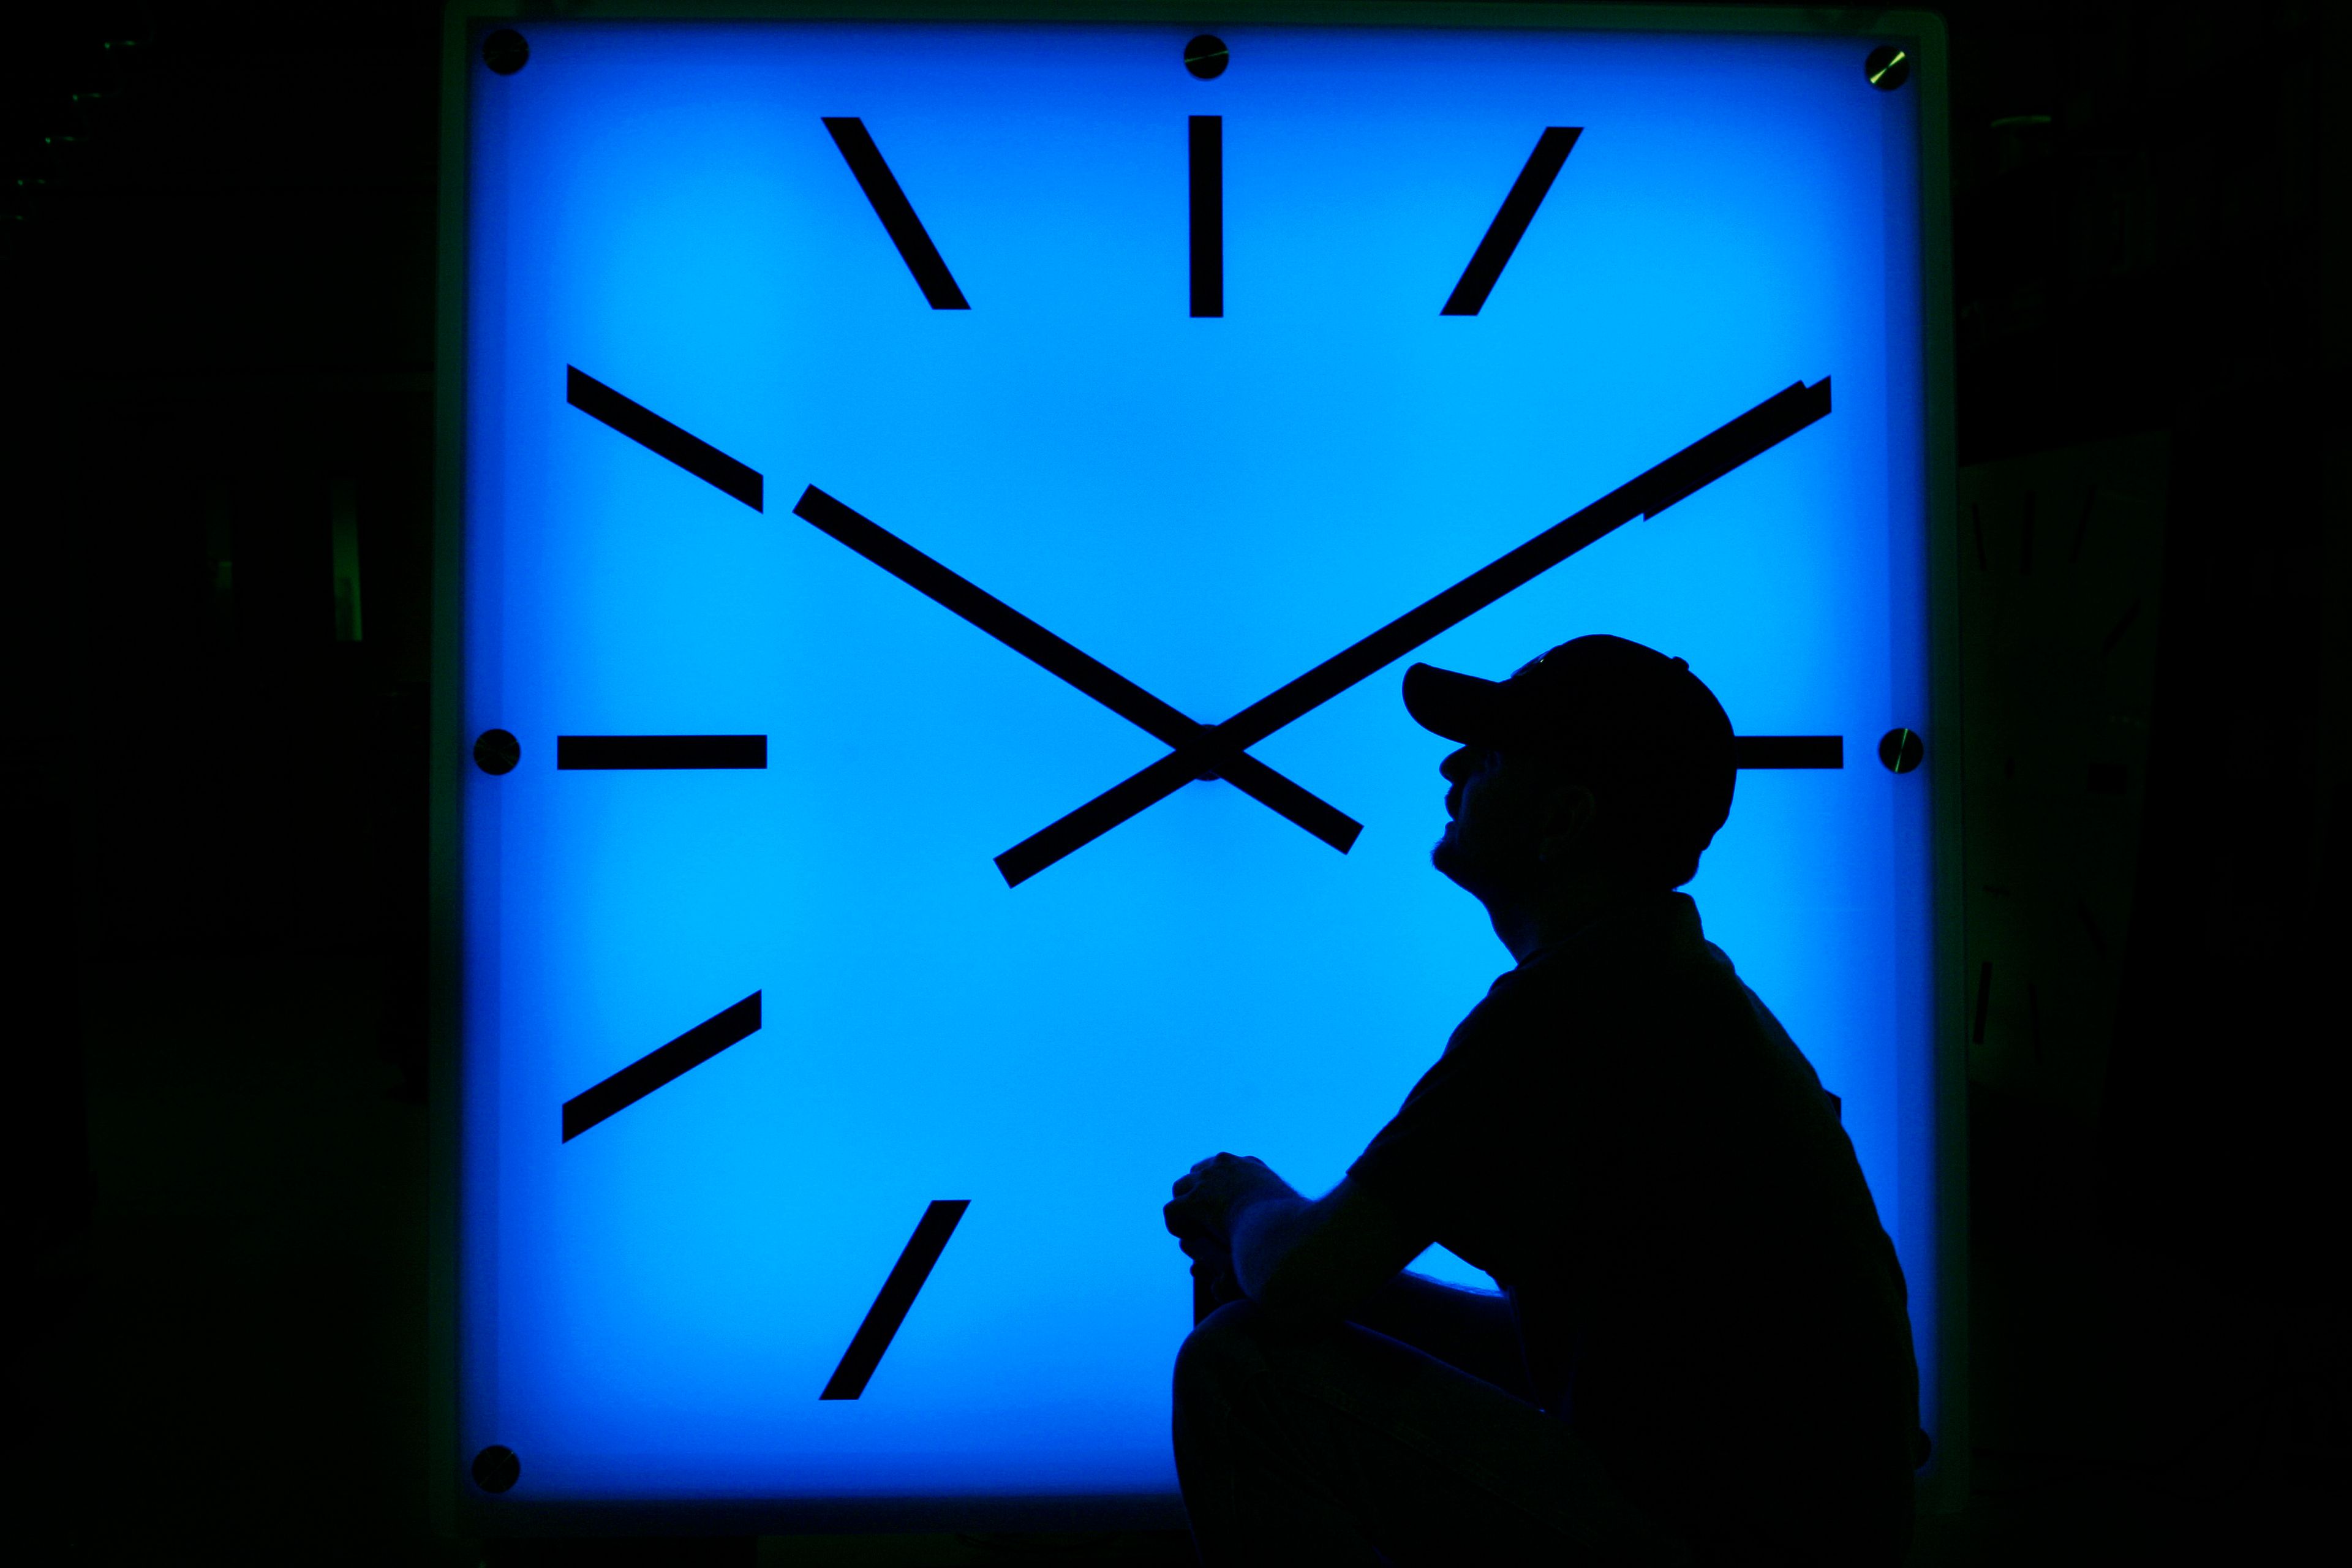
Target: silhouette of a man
1702,1350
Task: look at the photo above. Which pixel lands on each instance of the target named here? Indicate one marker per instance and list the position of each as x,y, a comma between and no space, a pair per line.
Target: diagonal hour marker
897,213
652,1070
1702,462
1098,681
1791,750
890,1309
1511,220
618,752
1207,135
650,430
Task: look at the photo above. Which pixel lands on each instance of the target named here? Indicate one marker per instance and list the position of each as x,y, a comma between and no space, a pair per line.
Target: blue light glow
1208,506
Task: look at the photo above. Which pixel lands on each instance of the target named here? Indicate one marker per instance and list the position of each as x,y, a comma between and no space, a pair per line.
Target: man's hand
1201,1217
1216,1190
1251,1235
1213,1270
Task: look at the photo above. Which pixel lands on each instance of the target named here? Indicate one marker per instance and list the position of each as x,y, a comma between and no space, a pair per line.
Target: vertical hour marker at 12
1208,164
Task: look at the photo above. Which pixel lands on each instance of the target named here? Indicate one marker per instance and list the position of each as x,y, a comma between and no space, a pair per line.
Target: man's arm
1470,1329
1317,1262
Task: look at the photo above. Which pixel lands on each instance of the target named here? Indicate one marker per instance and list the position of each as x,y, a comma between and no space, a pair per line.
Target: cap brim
1459,707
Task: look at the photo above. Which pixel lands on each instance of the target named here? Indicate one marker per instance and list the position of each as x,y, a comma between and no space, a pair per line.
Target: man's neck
1532,923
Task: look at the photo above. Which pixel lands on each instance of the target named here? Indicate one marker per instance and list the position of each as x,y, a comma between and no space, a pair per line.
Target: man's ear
1569,810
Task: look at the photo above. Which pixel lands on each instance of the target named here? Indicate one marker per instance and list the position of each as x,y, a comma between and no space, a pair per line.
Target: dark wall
220,289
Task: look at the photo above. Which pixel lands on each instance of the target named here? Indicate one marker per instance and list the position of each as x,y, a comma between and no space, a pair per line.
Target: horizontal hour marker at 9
661,751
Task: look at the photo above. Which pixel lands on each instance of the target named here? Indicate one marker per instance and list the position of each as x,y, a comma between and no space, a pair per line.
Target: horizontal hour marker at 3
1792,751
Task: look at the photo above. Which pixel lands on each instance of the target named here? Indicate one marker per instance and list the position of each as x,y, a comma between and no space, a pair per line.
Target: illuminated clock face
922,486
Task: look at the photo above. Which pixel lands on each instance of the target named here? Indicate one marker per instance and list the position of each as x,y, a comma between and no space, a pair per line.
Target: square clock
936,503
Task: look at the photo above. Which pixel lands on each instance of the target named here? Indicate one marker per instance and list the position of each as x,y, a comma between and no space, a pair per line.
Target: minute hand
1702,462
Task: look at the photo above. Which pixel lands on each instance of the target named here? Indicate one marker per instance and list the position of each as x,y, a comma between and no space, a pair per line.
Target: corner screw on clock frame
506,51
1207,56
497,1468
1887,68
1901,749
497,751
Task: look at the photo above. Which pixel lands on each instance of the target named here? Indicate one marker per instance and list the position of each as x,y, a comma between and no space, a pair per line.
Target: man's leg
1342,1444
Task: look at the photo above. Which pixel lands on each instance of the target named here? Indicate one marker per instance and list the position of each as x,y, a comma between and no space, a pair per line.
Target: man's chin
1445,856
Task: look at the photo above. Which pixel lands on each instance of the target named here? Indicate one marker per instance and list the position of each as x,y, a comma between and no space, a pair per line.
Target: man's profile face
1488,844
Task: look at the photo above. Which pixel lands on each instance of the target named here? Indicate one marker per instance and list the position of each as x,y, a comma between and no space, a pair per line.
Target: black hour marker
890,1309
897,213
1518,210
657,435
657,1067
661,751
1208,146
1791,750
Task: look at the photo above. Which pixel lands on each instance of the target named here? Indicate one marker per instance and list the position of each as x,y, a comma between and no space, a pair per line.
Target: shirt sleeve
1440,1161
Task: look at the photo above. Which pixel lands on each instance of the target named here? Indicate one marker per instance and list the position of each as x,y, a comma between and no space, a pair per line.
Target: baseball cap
1649,735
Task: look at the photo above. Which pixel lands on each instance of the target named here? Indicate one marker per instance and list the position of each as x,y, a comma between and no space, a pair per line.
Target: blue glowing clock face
884,447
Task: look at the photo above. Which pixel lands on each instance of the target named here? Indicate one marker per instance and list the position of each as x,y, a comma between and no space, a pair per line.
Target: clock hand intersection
1701,463
1207,754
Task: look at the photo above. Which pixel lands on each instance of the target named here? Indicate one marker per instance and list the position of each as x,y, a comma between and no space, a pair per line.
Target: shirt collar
1646,922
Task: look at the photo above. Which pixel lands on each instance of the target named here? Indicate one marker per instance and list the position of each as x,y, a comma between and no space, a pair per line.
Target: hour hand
1208,755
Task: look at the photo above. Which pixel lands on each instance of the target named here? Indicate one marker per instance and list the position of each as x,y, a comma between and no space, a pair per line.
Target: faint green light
1899,57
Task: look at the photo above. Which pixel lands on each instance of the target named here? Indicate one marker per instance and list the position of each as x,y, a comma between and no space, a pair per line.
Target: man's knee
1225,1346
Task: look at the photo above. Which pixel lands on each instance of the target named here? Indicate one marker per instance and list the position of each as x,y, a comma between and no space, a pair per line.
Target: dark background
220,275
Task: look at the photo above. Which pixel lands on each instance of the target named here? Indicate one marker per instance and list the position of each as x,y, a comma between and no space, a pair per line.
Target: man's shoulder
1660,1009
